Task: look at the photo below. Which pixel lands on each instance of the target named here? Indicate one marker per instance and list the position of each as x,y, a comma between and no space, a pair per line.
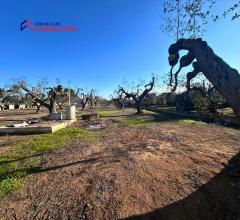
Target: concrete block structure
71,112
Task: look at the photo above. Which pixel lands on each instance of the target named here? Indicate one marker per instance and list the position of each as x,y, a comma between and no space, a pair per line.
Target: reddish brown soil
167,170
8,142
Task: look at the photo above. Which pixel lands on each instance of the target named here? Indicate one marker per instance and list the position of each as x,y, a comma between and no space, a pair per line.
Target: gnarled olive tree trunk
50,102
138,97
225,78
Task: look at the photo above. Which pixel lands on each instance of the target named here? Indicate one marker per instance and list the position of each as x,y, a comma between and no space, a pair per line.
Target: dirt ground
17,116
165,170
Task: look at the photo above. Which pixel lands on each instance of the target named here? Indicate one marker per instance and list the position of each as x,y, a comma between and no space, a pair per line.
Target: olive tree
138,95
50,101
224,78
88,97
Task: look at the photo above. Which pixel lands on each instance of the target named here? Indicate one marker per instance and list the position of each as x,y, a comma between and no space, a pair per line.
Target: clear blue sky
115,40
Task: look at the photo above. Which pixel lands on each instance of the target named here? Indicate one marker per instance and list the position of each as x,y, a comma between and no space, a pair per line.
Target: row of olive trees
204,98
151,99
42,95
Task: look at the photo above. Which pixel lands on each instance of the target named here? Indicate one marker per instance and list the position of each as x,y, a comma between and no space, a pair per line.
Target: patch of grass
43,143
187,122
17,164
107,113
10,184
138,121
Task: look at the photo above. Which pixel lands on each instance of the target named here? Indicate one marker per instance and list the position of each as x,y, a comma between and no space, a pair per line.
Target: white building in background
10,107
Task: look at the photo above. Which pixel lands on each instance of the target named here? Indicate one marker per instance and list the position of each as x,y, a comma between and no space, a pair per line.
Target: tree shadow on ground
39,169
217,199
21,158
116,116
158,117
95,158
229,121
87,161
155,117
164,117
